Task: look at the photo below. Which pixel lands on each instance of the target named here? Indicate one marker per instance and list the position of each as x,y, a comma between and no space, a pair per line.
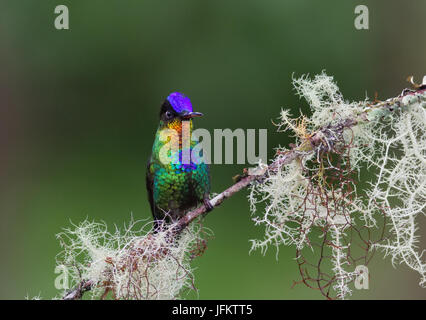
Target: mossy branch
322,140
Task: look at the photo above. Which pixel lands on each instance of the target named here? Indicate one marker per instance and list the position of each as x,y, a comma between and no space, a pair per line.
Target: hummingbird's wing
150,187
150,191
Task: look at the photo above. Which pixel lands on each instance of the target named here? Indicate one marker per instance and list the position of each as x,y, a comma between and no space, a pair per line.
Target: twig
77,293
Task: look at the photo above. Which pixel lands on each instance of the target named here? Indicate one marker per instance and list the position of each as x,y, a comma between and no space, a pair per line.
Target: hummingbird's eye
169,115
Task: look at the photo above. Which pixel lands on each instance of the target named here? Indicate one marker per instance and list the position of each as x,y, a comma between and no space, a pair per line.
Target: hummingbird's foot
208,204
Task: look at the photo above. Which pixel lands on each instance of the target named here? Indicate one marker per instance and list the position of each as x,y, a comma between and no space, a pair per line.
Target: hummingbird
175,186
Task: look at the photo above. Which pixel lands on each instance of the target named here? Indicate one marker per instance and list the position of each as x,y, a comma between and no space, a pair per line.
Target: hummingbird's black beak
189,115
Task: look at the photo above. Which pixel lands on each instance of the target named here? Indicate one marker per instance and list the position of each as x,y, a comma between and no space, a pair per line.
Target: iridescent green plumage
175,185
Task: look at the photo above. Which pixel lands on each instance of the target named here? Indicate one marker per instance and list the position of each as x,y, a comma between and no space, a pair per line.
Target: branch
315,141
77,292
311,144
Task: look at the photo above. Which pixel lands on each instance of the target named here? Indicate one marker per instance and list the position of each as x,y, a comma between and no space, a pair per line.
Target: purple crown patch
180,102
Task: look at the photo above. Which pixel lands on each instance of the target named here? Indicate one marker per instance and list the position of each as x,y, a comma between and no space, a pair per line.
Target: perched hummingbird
178,185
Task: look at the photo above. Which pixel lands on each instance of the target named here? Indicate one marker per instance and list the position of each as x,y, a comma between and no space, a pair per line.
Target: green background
79,109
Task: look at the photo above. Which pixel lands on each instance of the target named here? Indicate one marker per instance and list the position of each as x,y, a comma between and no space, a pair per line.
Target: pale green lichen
132,263
389,141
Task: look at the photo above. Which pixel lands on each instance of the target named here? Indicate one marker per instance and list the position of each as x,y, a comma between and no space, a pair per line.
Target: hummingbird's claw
208,204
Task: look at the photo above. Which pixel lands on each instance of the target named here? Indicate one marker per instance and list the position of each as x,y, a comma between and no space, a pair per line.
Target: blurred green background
79,109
